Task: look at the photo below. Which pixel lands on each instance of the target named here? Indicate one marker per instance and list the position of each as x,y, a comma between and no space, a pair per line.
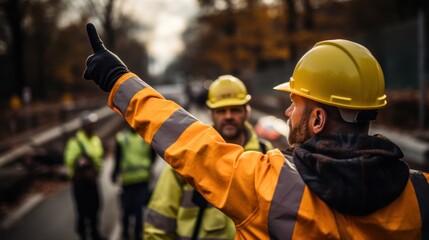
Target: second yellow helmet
227,90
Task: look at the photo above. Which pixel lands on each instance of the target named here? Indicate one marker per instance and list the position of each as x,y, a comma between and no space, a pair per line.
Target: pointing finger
96,43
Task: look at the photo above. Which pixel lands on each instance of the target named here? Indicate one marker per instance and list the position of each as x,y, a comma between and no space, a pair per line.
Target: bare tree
13,9
105,12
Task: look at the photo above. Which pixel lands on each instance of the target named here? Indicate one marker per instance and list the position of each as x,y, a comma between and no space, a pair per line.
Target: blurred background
179,46
43,45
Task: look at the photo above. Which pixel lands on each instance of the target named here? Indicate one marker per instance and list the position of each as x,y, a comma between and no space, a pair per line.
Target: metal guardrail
57,132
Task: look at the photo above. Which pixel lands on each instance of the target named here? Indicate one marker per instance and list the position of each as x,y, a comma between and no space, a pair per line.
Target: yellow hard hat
339,73
227,90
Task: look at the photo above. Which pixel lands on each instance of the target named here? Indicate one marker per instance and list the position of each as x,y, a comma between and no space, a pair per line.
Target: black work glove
103,67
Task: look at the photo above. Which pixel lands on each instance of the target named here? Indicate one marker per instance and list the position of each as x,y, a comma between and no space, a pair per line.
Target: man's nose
288,111
228,114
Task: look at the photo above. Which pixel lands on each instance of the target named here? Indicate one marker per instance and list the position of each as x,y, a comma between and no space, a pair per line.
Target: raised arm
221,172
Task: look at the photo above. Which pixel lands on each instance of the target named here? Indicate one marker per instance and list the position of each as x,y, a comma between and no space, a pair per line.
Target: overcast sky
168,18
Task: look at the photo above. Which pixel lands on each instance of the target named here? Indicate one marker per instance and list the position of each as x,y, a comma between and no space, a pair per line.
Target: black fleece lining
354,174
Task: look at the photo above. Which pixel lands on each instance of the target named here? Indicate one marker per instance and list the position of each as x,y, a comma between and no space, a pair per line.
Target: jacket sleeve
161,213
224,174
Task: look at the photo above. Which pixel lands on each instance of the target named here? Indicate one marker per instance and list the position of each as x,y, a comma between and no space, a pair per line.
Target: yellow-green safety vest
136,160
93,147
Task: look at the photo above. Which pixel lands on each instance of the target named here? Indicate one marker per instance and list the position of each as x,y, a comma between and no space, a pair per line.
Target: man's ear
318,119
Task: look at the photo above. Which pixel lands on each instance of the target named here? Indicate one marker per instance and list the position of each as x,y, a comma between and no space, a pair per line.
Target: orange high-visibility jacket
263,194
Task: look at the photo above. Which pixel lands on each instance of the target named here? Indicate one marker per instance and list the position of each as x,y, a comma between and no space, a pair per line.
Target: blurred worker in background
133,162
176,210
335,182
83,156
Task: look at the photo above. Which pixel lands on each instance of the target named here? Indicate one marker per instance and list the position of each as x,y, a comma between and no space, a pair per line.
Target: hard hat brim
228,102
285,87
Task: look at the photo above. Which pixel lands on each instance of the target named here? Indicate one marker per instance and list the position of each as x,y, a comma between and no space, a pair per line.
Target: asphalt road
53,217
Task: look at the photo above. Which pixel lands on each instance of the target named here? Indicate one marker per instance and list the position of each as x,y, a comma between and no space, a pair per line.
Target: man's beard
299,133
230,135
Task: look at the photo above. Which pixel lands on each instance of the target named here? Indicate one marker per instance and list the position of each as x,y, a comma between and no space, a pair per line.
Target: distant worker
83,156
133,162
335,182
176,210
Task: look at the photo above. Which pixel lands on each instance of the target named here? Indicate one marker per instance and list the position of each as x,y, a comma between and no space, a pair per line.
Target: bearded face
298,114
229,121
298,133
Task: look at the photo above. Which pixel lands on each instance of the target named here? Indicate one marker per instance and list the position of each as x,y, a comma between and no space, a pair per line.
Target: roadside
13,211
47,211
415,143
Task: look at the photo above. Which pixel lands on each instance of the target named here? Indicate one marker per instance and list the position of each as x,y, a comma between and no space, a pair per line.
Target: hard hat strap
354,116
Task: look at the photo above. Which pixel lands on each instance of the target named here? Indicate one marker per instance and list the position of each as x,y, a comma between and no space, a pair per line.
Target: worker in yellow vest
133,162
176,210
83,155
336,181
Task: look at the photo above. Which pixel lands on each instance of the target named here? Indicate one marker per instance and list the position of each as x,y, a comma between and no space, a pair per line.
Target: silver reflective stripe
160,221
171,130
286,202
126,91
421,187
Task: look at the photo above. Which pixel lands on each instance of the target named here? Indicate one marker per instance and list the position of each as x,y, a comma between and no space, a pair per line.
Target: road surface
53,217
